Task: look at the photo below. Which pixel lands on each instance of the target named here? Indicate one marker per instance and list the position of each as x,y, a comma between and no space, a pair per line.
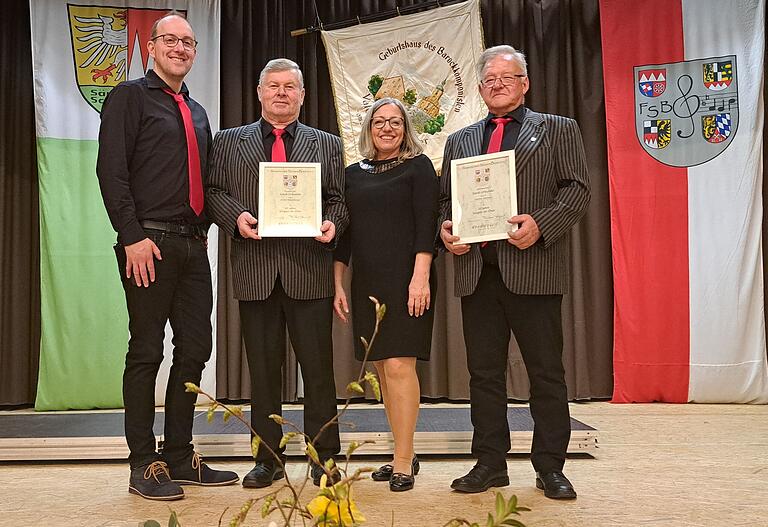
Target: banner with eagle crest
80,52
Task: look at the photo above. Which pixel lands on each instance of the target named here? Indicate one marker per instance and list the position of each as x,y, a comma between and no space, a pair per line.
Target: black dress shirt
268,138
508,142
511,129
142,161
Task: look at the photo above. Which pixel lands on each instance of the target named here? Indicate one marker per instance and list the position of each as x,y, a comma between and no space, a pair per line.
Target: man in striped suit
281,281
517,284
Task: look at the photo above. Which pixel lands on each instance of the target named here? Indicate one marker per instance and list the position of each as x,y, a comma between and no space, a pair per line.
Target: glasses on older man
506,80
394,122
169,40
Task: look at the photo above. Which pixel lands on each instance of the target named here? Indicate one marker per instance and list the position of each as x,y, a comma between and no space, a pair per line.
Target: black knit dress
393,210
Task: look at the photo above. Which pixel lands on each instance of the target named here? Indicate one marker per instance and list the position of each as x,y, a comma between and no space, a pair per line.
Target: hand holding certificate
290,202
483,196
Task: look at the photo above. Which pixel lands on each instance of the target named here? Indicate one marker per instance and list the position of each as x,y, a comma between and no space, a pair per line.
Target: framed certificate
290,203
483,196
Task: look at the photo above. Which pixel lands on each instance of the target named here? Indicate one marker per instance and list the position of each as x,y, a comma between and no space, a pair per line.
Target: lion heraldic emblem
686,113
103,42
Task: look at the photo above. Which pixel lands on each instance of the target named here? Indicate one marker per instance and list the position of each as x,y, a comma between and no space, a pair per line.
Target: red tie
498,134
278,147
495,143
193,154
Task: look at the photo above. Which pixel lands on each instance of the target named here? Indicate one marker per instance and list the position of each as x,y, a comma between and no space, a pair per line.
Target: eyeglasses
169,40
506,80
394,122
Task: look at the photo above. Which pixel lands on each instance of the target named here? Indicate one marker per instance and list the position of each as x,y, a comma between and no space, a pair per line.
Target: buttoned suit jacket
305,266
552,186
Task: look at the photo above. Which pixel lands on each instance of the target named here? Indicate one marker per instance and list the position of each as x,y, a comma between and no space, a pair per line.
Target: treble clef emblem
685,100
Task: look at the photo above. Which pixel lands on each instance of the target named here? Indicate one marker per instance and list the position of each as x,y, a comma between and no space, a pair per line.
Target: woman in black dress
392,197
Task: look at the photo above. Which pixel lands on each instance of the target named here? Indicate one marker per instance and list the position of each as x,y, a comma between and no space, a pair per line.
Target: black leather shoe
555,485
317,473
194,472
385,471
400,482
481,478
153,482
262,475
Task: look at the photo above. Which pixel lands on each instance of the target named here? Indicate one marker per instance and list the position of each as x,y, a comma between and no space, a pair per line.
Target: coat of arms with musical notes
686,113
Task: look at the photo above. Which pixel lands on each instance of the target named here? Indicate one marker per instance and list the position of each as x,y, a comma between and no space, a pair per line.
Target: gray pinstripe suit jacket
305,266
552,186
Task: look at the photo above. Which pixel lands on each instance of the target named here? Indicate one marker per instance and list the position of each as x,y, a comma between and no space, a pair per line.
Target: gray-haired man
517,284
281,281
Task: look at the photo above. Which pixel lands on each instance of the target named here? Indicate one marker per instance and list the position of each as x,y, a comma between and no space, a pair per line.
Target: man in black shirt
153,148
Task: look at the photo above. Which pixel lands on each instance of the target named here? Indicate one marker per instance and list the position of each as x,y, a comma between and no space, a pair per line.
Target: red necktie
498,134
278,147
193,154
495,143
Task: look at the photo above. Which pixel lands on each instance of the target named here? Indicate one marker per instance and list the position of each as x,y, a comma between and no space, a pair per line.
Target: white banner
427,60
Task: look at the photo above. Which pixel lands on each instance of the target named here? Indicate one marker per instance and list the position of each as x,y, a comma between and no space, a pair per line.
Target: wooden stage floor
656,465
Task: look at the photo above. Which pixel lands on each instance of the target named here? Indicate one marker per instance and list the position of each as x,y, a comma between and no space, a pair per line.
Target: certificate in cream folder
483,196
290,203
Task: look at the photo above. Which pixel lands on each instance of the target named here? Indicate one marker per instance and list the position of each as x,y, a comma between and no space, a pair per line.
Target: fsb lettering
653,110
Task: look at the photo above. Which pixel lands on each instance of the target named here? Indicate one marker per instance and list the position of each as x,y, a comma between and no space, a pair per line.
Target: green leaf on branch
501,506
265,508
211,413
191,387
277,418
173,521
353,445
380,312
255,444
512,505
227,415
365,343
329,463
513,522
286,437
354,387
373,381
490,521
312,453
151,523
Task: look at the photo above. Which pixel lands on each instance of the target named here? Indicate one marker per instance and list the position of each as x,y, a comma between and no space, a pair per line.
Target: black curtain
562,42
19,230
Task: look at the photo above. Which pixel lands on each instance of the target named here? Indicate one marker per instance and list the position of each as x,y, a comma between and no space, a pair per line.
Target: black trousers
309,325
181,294
489,314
